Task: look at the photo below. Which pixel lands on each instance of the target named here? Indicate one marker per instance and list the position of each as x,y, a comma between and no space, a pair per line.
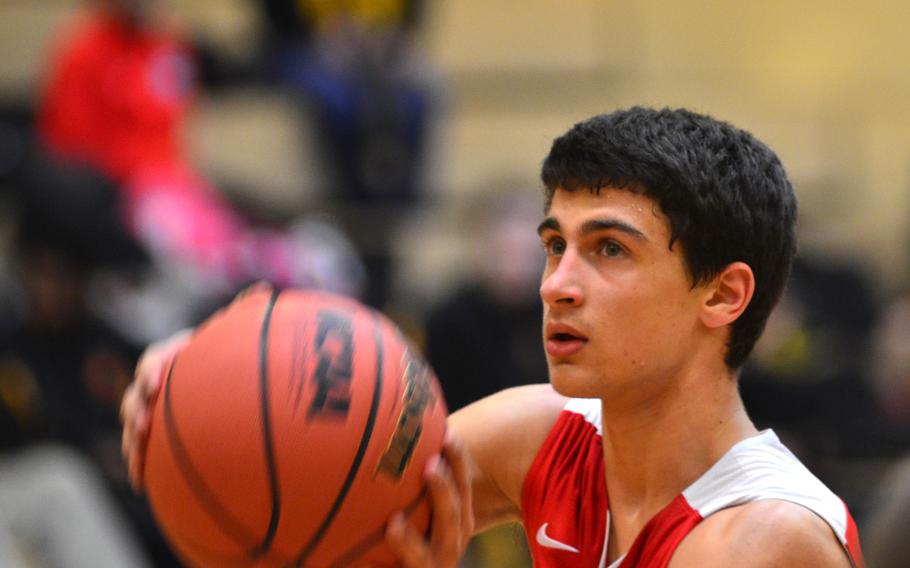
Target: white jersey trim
589,408
603,559
760,468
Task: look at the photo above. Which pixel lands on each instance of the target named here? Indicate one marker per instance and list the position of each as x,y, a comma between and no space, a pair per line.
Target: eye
554,246
611,249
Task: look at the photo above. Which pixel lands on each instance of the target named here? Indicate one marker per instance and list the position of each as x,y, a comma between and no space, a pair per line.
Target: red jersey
566,511
116,96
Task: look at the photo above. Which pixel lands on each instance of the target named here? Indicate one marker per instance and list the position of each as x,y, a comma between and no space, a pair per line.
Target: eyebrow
594,226
548,224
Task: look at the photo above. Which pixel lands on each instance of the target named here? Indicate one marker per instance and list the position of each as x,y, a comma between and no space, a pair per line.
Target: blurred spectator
118,90
16,120
891,365
73,367
62,374
356,66
117,96
55,512
808,376
886,540
360,78
77,203
486,335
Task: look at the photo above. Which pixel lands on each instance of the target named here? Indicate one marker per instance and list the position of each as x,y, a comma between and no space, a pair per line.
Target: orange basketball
287,432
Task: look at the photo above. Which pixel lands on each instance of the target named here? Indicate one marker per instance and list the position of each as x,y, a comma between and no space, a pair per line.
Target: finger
407,543
446,537
259,287
150,378
136,471
147,378
139,397
127,394
157,358
136,459
136,419
255,288
457,457
133,413
128,416
134,468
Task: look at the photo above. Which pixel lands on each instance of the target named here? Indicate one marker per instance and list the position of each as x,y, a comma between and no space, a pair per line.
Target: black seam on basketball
217,557
268,445
375,537
231,526
358,458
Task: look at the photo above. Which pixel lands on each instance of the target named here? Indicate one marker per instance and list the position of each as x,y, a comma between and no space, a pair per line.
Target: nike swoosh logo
544,540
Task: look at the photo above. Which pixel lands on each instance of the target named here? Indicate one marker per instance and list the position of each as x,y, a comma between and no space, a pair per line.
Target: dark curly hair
726,195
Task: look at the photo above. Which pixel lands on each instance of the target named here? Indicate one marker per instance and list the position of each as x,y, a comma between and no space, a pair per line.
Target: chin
574,382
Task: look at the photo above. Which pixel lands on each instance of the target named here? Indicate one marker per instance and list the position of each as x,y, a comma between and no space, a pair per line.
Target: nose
560,284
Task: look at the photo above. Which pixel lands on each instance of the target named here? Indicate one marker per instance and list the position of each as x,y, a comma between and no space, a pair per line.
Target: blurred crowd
114,238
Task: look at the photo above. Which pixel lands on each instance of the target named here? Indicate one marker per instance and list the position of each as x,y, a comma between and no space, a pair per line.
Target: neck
658,446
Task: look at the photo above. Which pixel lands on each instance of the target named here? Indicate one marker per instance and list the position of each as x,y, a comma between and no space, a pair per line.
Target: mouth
563,340
564,337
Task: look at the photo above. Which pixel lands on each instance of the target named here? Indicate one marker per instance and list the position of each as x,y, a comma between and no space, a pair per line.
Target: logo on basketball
416,398
334,349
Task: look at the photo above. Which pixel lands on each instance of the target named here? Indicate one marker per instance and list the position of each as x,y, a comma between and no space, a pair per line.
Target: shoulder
515,415
502,434
539,395
514,421
767,533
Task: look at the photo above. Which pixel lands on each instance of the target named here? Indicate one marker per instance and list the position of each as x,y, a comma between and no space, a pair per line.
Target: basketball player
669,237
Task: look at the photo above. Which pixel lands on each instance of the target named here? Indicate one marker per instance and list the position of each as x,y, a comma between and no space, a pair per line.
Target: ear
728,295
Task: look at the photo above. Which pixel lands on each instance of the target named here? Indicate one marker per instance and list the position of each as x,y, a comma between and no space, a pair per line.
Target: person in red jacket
118,91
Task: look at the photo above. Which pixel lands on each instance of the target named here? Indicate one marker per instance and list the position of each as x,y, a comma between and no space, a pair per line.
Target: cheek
646,328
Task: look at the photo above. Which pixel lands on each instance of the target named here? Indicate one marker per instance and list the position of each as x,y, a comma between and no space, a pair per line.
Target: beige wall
826,83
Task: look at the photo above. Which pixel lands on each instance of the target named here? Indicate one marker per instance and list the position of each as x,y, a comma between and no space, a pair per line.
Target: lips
563,340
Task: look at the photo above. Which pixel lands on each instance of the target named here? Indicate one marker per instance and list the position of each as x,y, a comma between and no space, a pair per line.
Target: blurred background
157,156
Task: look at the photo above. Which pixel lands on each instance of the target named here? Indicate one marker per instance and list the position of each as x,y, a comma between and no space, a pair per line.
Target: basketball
288,431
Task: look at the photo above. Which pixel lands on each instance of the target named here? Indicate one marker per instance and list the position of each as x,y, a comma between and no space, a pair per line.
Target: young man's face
619,307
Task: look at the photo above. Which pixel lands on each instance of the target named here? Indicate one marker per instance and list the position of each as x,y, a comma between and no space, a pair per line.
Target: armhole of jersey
854,551
849,542
589,408
533,477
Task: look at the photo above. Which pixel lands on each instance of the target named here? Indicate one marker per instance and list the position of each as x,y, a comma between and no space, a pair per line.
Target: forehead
571,209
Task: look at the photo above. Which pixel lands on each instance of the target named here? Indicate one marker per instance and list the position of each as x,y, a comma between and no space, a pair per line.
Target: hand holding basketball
138,398
141,393
449,483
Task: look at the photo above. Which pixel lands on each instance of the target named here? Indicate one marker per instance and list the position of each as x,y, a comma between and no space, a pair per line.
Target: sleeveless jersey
566,513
